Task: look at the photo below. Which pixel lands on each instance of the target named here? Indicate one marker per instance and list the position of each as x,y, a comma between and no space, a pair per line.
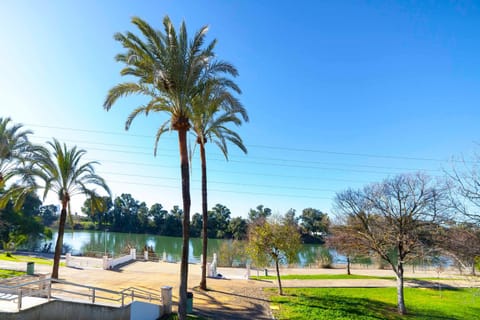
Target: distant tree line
126,214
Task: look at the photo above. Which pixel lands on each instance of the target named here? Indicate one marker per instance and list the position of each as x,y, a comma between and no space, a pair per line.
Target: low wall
105,263
109,263
61,310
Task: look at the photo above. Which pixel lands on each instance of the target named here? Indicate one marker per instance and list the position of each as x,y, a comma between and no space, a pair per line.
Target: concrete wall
61,310
144,311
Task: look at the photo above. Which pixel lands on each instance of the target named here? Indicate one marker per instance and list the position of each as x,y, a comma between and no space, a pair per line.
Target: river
115,243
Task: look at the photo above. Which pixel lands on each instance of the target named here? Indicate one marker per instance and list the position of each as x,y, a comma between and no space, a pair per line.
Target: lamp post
105,240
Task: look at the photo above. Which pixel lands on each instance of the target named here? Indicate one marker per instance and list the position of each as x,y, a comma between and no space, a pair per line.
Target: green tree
64,172
173,222
259,214
48,214
23,225
273,241
97,210
213,110
218,220
158,215
196,226
314,225
170,70
238,228
15,153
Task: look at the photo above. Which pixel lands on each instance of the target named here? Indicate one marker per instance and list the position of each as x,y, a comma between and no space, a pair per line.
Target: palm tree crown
213,111
64,172
14,148
170,70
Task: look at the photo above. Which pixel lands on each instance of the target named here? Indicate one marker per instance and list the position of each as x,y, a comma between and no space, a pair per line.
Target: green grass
10,273
318,277
20,258
174,316
339,277
375,303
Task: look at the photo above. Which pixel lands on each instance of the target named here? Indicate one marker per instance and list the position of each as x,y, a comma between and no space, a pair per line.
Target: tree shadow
241,307
337,306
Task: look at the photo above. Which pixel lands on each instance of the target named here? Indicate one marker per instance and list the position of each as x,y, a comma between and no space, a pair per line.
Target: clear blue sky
339,93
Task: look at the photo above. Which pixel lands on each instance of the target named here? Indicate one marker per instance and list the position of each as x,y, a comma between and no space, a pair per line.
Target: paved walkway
230,298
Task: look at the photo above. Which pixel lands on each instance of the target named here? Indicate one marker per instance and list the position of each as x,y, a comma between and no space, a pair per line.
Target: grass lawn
174,316
10,273
375,303
20,258
338,276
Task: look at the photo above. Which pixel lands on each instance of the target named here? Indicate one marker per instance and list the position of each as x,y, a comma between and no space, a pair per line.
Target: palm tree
170,70
15,152
213,110
64,173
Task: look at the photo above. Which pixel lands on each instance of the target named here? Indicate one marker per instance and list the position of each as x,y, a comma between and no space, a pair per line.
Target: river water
115,243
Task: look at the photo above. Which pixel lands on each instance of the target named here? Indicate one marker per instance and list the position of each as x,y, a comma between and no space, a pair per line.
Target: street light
105,240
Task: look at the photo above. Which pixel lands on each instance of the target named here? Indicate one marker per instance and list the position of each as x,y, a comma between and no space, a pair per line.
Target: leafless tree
461,242
465,188
395,219
343,239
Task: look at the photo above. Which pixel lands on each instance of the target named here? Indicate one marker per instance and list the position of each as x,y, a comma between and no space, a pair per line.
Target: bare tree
395,219
461,242
342,239
465,188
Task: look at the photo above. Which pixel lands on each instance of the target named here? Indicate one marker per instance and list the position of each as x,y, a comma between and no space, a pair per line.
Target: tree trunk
280,289
400,298
182,303
203,281
59,245
348,265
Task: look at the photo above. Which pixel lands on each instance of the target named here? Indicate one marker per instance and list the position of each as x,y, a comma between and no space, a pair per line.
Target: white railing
82,262
64,290
109,263
105,263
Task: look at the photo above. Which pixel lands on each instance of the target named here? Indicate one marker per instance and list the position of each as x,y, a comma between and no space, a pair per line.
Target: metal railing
68,291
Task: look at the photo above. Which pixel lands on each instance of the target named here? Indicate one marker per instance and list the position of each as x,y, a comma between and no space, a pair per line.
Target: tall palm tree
63,172
15,152
170,69
213,111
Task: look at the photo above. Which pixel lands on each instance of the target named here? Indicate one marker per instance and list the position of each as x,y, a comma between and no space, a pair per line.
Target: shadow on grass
330,305
430,284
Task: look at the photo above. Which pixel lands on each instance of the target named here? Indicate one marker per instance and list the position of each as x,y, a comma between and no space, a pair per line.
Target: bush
232,253
325,258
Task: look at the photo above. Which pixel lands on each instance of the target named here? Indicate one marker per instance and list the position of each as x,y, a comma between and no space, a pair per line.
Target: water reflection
115,243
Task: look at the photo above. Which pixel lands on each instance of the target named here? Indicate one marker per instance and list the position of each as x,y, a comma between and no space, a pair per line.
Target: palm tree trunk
203,281
59,245
182,303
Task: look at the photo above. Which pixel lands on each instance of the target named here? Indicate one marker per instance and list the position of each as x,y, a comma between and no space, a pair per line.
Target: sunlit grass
21,258
10,273
174,316
375,303
341,277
